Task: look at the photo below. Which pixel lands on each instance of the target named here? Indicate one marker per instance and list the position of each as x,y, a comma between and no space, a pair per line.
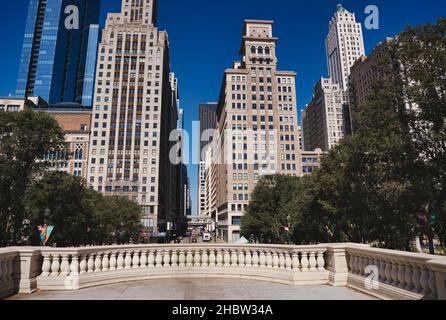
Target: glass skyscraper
53,62
94,37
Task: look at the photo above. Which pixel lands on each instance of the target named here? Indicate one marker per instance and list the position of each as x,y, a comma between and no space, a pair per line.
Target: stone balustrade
385,274
79,268
395,274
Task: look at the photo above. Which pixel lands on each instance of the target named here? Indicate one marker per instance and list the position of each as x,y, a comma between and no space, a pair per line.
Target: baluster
304,262
166,259
395,280
159,259
416,277
241,258
351,263
234,258
190,259
5,268
182,259
295,261
175,258
113,261
432,284
248,259
262,259
83,264
360,265
1,271
220,256
65,266
275,264
282,260
204,258
55,265
269,260
312,261
227,258
197,258
8,269
401,275
106,262
128,259
320,261
382,271
288,261
98,263
90,263
151,259
424,281
408,276
74,265
144,259
120,260
255,259
46,266
212,258
388,272
136,259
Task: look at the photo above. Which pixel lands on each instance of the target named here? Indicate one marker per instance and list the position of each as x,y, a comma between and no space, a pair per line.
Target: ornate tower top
140,11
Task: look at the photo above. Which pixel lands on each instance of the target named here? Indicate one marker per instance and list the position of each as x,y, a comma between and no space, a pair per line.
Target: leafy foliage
24,138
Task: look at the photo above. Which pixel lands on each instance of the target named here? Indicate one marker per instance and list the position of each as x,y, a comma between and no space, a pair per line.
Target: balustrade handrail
403,274
95,249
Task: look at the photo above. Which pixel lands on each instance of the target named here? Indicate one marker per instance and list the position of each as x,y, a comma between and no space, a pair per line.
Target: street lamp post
288,218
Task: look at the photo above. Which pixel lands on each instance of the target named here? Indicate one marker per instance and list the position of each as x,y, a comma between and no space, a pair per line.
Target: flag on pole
45,233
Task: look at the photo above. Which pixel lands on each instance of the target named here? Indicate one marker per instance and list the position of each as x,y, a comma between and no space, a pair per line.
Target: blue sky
205,37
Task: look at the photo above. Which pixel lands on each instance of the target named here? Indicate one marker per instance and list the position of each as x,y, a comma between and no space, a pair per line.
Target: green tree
80,216
268,212
66,198
421,51
116,220
24,138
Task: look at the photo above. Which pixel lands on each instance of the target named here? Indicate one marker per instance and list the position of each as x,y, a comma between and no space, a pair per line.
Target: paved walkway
197,289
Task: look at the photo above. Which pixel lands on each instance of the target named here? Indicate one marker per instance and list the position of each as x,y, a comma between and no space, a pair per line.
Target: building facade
54,52
208,120
257,122
75,120
363,74
13,104
322,119
134,113
94,38
344,45
311,161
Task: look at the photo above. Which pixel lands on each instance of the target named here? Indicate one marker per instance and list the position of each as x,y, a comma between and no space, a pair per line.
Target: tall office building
344,45
88,79
134,112
363,74
207,118
257,120
322,119
54,50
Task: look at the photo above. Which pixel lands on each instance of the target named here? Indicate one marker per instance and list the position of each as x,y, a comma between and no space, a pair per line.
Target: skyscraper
54,50
94,37
257,120
344,45
322,120
135,110
208,118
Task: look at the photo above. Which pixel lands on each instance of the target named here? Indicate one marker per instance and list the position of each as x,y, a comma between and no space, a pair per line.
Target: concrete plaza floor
201,289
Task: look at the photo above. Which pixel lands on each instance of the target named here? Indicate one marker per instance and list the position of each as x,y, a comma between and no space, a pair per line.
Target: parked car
207,237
